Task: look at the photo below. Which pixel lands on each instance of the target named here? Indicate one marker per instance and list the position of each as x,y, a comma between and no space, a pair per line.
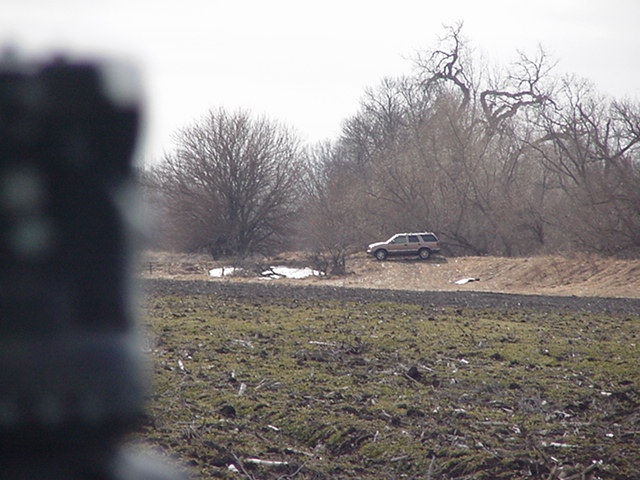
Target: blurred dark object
71,383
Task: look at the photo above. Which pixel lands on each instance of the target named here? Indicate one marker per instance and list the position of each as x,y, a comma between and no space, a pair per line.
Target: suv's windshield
398,239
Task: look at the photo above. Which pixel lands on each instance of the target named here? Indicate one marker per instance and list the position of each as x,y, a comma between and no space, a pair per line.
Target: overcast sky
307,63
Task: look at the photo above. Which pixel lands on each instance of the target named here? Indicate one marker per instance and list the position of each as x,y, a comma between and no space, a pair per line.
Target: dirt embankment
581,276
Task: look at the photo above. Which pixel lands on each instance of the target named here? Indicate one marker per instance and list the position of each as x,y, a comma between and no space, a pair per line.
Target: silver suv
422,244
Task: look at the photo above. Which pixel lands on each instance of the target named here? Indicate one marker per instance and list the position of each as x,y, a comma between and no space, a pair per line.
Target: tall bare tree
592,146
327,226
232,185
472,145
509,163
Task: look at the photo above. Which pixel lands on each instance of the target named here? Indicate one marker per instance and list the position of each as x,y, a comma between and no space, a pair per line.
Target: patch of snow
290,272
223,271
463,281
273,272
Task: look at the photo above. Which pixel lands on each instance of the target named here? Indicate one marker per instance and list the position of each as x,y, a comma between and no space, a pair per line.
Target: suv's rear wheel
381,254
424,253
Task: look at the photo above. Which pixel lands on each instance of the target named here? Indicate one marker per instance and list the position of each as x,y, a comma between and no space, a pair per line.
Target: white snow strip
273,272
462,281
223,272
289,272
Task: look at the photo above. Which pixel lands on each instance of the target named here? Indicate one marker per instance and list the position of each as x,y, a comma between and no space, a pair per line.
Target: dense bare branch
447,65
231,185
524,89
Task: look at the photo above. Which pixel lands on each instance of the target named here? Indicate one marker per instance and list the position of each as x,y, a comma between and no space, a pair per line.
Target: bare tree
524,87
231,187
382,121
331,223
592,146
509,163
448,64
471,144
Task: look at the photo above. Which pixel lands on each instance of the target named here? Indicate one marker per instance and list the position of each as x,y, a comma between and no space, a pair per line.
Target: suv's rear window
414,238
429,238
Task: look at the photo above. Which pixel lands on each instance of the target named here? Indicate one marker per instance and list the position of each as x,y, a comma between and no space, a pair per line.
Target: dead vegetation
269,387
580,275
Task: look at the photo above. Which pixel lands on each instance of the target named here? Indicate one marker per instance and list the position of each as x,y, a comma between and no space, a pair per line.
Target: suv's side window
429,238
400,239
414,239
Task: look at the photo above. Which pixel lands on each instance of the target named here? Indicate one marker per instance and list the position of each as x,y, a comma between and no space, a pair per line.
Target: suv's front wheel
381,254
424,253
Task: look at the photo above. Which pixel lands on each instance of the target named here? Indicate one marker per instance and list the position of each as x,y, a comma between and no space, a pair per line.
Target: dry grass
366,390
580,275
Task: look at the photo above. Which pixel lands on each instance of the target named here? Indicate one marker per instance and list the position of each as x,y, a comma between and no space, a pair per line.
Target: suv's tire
424,253
381,254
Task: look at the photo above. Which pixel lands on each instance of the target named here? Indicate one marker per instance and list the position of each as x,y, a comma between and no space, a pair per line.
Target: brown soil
582,276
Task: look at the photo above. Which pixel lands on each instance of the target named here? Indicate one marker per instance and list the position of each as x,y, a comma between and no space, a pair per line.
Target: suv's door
398,245
414,244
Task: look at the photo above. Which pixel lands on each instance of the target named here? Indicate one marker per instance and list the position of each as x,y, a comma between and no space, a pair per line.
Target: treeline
509,163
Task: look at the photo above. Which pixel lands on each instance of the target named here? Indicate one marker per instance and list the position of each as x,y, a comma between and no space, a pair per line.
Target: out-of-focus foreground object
71,383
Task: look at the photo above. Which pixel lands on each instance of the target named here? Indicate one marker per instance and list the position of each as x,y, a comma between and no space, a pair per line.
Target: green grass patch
330,389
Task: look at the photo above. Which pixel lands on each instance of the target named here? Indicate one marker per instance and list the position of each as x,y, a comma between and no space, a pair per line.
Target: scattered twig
553,472
582,475
241,465
324,344
291,475
406,375
467,334
431,466
268,463
299,452
397,459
